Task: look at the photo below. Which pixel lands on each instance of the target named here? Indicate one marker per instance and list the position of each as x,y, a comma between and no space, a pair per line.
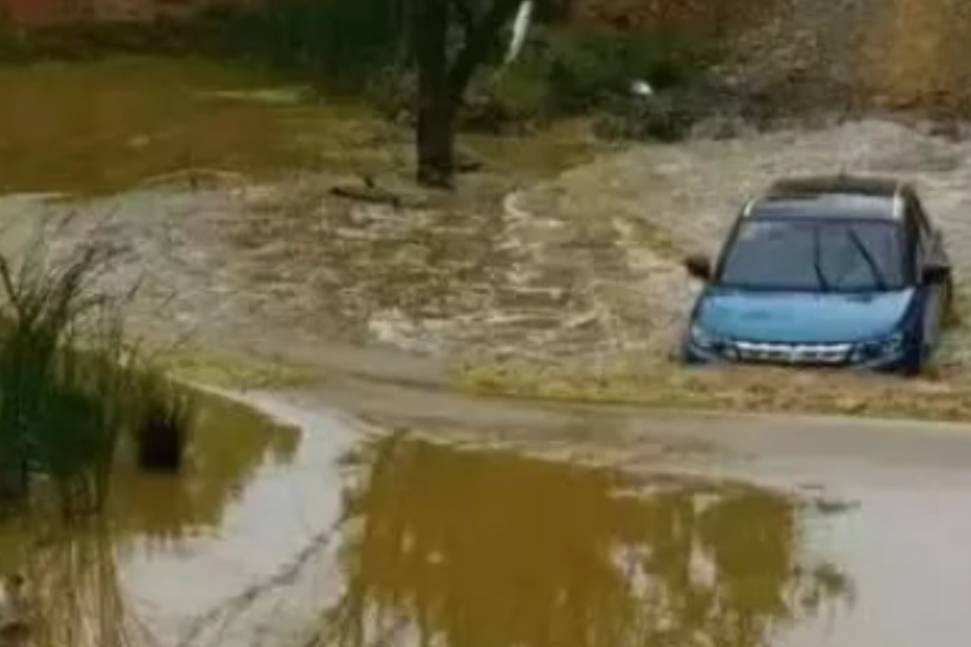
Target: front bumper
800,355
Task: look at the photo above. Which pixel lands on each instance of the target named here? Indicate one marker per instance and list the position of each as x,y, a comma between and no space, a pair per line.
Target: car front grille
819,354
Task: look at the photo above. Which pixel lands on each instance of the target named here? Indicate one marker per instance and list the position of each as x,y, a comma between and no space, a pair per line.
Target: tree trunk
13,478
441,83
436,109
436,142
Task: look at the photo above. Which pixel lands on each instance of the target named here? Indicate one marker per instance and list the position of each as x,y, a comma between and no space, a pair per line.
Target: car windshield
815,255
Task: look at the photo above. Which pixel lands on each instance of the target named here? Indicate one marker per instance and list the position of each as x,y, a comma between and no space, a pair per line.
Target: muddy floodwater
365,514
121,122
303,526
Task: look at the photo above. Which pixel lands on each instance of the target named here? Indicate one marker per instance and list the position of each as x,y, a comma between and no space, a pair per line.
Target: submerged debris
164,430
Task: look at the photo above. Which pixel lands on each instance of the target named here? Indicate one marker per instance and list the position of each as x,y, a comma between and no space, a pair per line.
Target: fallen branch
370,194
369,191
195,176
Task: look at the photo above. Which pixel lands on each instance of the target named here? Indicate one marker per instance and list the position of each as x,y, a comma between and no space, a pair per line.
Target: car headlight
707,341
876,350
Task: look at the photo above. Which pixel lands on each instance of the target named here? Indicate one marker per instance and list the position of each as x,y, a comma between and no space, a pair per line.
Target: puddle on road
177,557
319,538
465,548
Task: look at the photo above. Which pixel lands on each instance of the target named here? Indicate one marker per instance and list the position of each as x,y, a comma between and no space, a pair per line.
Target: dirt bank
858,56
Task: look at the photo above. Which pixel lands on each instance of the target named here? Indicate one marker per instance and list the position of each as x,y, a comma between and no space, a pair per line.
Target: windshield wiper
878,277
818,265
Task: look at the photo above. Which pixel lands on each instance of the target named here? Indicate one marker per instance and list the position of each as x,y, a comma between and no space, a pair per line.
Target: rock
367,193
398,196
641,88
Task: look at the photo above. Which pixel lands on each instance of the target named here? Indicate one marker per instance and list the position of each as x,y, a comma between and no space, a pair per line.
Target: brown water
106,125
488,548
103,126
308,534
333,535
430,545
172,548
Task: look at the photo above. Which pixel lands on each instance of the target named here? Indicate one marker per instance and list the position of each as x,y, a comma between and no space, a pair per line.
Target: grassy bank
73,386
651,383
339,43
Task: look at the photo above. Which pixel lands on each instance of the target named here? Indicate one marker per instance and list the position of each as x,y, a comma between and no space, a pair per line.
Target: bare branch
477,44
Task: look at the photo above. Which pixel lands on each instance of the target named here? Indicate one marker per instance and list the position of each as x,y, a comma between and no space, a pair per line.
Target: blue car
834,272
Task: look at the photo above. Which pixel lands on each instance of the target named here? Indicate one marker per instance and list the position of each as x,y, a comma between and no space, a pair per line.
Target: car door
929,250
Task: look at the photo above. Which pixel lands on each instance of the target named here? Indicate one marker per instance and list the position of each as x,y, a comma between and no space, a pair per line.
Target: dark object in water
163,435
160,445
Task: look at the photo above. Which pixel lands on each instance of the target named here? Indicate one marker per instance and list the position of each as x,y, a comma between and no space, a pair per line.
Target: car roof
853,197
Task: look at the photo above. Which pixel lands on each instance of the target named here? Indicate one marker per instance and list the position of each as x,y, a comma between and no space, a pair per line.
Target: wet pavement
325,529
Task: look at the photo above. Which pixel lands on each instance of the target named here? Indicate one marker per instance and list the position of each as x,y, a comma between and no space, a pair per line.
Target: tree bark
436,142
441,85
435,115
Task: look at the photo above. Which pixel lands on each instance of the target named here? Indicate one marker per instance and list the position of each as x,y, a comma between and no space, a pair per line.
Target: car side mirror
932,274
698,266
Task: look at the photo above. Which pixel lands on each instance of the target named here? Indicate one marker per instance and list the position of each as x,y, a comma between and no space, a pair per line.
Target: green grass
339,43
348,48
650,382
582,70
71,383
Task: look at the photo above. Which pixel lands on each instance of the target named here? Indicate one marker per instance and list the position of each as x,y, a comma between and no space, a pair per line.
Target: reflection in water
73,589
72,596
456,548
109,124
229,444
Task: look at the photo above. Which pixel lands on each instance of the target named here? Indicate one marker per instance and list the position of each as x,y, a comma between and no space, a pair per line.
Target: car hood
800,317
